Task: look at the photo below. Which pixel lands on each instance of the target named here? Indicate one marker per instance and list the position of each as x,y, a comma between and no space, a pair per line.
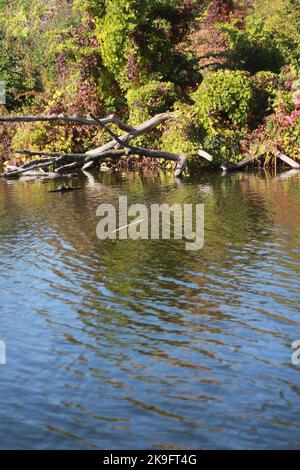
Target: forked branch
119,145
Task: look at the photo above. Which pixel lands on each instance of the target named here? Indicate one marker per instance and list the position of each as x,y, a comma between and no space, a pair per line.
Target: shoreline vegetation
115,149
195,83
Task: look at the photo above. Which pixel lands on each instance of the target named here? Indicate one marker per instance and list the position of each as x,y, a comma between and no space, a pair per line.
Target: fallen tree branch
205,155
145,152
89,161
28,165
64,117
237,166
64,163
110,132
135,132
47,154
36,166
247,160
69,168
289,161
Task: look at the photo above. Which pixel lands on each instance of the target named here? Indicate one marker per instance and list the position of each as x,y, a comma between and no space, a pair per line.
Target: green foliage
230,104
227,104
269,39
181,135
225,145
12,73
150,99
33,137
110,93
267,82
281,20
138,41
290,139
92,7
249,49
113,32
224,97
27,30
266,86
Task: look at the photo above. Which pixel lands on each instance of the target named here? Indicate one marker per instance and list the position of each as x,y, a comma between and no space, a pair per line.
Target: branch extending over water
116,148
111,119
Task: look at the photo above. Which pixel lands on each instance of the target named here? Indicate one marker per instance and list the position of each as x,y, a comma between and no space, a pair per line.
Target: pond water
141,344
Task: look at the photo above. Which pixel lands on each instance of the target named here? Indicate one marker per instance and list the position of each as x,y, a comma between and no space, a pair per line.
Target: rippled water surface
142,344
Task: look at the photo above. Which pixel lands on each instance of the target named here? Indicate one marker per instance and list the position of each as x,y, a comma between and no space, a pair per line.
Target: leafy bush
268,39
138,41
227,104
27,30
148,100
252,48
281,20
113,31
281,129
266,87
225,145
181,135
224,98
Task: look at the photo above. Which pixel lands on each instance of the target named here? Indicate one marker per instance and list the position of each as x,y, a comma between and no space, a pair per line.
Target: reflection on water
141,344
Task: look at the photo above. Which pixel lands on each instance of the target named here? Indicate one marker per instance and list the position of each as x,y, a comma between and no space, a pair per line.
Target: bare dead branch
288,160
64,117
237,166
66,163
205,155
49,154
137,131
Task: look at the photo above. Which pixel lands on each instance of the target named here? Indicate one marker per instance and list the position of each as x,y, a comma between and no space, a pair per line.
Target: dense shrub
249,48
27,30
268,38
266,86
182,135
138,41
229,104
150,99
281,129
224,97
